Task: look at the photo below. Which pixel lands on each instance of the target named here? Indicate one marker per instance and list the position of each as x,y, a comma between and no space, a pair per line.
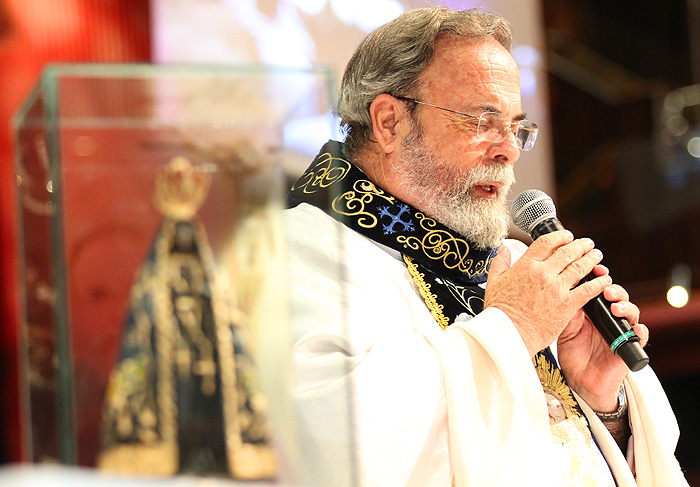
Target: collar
338,187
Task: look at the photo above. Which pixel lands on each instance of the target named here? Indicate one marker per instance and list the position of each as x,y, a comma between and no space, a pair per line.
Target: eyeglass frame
479,118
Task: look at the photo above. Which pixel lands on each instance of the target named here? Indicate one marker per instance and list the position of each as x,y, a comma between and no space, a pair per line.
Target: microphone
534,213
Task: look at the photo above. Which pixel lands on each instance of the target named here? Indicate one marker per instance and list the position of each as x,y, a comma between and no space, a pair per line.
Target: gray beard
447,197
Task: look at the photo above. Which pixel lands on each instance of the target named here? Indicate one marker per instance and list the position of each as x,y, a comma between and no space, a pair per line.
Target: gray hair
391,58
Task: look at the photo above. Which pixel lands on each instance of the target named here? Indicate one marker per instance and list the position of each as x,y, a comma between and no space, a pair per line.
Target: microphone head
530,208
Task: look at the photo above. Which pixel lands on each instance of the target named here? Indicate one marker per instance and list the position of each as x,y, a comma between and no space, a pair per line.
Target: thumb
501,262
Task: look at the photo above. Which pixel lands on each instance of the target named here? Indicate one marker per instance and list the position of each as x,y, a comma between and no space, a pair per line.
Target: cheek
454,152
461,156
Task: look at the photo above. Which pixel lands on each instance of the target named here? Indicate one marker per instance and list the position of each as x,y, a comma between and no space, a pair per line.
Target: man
422,342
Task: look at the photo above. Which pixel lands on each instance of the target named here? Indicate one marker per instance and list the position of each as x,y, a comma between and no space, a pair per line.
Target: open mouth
490,188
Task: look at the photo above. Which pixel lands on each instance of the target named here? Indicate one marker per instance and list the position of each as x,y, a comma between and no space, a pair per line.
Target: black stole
449,271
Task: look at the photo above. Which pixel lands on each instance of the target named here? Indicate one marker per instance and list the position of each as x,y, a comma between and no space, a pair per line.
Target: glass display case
155,331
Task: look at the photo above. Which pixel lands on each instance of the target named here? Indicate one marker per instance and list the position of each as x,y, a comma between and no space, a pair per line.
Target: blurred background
614,86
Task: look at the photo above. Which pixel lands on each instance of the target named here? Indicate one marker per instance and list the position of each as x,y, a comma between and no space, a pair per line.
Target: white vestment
388,398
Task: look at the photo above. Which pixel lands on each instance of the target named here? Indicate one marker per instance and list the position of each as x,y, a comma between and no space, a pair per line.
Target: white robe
387,398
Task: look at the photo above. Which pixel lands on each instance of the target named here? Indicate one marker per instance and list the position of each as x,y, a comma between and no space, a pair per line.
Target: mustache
491,172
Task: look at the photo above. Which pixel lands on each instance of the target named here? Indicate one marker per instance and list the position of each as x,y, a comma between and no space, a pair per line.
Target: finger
588,290
642,332
572,253
581,267
627,310
616,293
542,248
600,270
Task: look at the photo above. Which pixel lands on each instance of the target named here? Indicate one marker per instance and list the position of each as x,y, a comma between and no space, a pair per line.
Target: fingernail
568,235
608,279
621,307
588,242
597,253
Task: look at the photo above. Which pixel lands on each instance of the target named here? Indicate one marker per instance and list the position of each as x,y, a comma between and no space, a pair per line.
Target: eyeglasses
494,128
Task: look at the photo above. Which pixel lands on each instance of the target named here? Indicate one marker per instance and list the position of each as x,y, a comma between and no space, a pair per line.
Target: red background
32,34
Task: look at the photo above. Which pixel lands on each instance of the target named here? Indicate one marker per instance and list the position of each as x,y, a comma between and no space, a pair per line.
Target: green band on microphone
619,340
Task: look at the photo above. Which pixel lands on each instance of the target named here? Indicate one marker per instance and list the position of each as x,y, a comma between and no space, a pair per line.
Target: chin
482,221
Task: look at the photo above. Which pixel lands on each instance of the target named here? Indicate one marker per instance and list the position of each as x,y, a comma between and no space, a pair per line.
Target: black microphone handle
616,331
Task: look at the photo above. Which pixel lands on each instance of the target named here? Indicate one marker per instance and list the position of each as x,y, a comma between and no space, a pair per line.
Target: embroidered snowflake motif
396,219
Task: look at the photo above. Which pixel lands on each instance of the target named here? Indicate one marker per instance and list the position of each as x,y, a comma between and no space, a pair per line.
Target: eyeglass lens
494,129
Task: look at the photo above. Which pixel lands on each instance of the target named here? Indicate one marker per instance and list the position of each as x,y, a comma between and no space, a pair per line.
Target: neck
380,168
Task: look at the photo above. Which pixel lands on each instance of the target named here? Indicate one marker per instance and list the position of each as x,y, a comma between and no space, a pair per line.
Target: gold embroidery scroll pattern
327,171
354,202
441,245
429,298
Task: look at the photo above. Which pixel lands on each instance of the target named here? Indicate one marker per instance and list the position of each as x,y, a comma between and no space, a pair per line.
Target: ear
389,121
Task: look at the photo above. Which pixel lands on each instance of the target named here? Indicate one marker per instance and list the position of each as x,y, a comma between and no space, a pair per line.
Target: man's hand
589,365
539,293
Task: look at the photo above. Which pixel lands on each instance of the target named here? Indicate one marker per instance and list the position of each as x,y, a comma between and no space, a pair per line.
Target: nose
505,151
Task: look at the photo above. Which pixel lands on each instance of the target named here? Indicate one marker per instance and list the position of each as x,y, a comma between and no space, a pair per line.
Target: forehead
467,73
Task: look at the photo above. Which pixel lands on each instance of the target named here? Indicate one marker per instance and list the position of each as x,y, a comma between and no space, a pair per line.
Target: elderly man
430,352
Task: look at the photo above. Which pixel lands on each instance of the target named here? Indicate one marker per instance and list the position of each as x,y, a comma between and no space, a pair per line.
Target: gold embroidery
429,298
352,203
441,245
569,427
323,174
553,382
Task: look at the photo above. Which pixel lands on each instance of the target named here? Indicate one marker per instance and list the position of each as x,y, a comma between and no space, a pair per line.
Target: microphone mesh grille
531,207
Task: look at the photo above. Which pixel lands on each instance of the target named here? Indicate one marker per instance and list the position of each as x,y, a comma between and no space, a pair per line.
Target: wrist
617,423
620,413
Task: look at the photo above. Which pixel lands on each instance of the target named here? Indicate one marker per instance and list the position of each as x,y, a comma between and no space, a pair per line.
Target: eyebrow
491,108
